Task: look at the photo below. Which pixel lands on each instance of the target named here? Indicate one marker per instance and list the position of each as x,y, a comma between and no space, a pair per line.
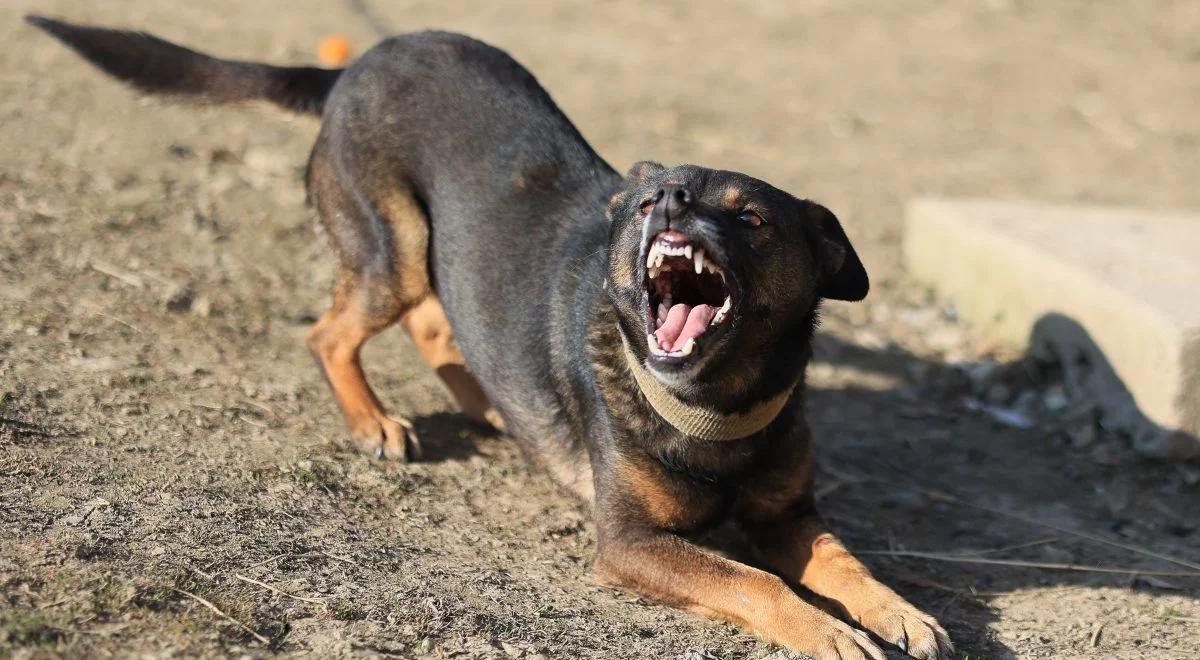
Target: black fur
160,67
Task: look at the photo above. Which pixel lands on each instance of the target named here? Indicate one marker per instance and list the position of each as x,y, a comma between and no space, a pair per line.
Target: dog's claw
387,438
910,630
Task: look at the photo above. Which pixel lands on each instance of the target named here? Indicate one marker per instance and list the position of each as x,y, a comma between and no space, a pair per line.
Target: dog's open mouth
686,293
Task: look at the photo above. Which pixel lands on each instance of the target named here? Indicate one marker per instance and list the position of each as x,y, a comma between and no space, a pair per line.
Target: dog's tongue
683,323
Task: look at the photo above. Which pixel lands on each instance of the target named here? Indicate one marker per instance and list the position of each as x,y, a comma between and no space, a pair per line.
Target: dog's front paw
823,637
913,631
383,437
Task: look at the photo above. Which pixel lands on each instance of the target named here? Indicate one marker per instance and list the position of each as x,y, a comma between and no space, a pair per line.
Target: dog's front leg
667,568
801,548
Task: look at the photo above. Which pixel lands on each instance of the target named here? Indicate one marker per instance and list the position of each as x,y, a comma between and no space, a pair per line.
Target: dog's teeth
720,315
652,342
655,255
687,347
662,314
699,260
687,251
667,300
653,272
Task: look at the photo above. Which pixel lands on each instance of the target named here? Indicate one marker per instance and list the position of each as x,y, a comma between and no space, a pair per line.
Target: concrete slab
1117,290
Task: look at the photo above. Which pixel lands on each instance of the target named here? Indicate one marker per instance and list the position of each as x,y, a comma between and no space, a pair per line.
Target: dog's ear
637,174
842,274
642,170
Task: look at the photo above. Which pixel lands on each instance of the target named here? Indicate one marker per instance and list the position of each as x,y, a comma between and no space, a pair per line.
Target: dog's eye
751,218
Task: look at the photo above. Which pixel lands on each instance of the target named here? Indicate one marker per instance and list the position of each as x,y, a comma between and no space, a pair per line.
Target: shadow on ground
937,494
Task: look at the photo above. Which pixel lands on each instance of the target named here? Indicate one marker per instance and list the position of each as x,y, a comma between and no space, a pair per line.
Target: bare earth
166,443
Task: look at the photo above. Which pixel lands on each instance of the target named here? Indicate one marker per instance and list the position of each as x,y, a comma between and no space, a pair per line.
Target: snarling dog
644,337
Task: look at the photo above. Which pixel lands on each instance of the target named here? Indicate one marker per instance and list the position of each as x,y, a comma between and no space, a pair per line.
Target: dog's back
442,170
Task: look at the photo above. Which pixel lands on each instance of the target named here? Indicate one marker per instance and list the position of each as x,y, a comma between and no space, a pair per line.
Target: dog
644,337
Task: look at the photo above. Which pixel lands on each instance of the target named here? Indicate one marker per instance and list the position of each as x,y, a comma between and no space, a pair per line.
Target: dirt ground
166,443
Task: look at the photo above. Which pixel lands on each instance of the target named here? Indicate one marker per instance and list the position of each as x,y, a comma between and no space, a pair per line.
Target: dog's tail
159,67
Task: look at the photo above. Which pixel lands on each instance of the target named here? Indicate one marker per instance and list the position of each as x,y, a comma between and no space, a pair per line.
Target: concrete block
1107,290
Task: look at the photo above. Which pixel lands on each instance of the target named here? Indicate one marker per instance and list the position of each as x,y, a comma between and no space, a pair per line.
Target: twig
223,615
938,556
207,576
267,561
115,273
264,585
270,411
828,488
56,603
1029,520
1095,639
251,422
288,555
333,556
122,321
1010,548
948,497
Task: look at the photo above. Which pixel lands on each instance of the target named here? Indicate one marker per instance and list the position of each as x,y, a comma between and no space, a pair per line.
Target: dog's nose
674,201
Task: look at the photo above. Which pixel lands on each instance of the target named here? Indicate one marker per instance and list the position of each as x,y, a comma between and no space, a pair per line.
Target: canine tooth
687,251
655,256
720,315
699,260
653,272
687,347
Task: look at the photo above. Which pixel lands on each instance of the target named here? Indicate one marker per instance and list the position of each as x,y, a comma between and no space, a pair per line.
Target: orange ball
334,50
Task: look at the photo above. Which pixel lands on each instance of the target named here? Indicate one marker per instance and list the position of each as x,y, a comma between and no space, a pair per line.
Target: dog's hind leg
381,242
381,235
429,329
361,309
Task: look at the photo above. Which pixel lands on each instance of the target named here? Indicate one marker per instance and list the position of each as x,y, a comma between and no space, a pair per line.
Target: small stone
179,299
202,306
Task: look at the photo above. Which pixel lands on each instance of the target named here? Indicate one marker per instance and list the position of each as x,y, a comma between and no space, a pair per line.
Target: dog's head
716,276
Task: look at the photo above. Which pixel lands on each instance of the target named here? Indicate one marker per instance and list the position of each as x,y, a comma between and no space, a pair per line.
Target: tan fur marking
671,570
649,487
427,325
806,552
731,198
358,313
410,237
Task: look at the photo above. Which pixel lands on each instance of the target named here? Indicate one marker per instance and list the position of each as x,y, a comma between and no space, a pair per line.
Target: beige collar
701,422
